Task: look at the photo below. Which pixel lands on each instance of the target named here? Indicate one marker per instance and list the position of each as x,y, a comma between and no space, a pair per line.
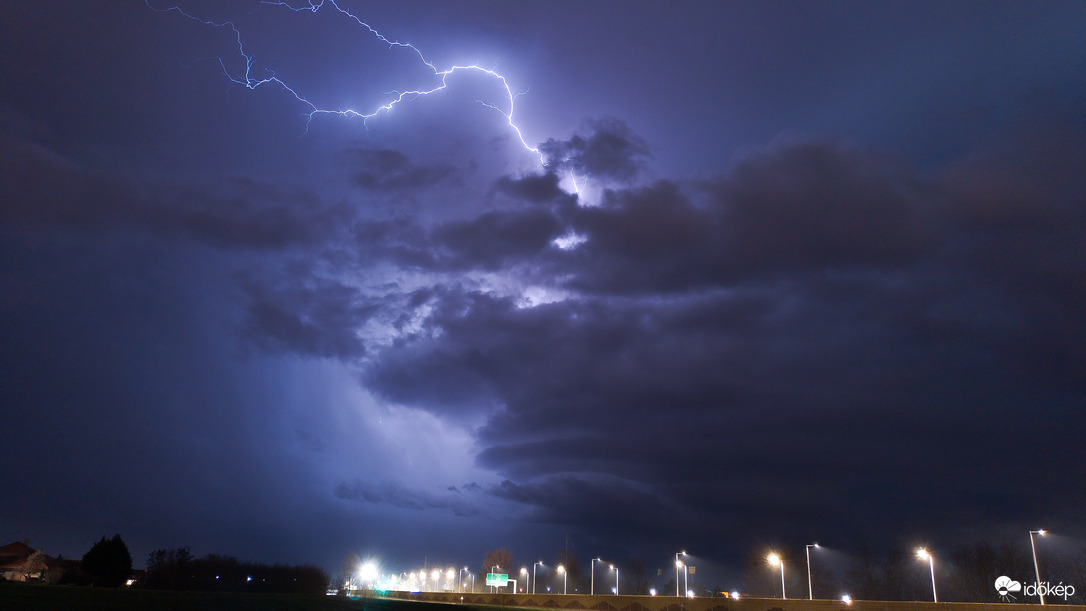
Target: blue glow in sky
789,272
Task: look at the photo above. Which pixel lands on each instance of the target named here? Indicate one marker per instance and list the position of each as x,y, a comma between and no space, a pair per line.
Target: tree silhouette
108,562
635,578
568,559
347,570
501,557
169,569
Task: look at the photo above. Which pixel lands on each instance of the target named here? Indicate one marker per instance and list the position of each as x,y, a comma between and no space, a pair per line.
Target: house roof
15,551
20,556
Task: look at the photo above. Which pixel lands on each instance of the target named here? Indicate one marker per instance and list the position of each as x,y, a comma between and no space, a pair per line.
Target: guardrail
678,603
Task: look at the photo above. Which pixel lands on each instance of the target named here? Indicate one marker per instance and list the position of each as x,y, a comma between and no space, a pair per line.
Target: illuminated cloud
809,254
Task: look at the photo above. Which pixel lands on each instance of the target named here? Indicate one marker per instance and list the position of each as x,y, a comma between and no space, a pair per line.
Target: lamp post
494,569
1036,569
810,591
565,578
678,563
524,571
368,573
472,583
924,554
615,569
775,559
592,570
534,579
460,579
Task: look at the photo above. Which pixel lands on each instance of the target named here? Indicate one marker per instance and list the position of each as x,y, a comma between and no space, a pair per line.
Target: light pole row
774,559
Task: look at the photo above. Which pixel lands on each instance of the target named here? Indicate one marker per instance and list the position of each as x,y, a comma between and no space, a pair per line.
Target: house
20,562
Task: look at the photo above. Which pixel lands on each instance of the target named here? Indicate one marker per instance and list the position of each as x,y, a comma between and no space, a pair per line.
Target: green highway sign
497,579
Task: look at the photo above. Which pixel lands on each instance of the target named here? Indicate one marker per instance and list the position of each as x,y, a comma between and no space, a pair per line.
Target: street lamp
775,559
678,563
540,563
368,573
1036,569
810,591
460,579
565,578
615,569
494,569
592,570
524,571
923,554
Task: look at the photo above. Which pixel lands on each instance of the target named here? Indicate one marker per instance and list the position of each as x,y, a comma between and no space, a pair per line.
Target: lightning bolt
573,177
249,81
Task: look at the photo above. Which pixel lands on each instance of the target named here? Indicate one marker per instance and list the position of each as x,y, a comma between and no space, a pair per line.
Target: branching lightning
249,81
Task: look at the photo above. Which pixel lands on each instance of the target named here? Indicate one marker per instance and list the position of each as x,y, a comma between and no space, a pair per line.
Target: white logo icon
1005,585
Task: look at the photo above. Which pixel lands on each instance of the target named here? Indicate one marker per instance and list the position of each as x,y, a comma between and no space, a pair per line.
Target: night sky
791,272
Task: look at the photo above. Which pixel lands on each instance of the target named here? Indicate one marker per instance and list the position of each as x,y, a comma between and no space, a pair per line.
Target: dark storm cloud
243,213
390,169
311,317
818,318
497,238
536,188
596,504
400,496
610,151
41,188
868,329
415,375
793,208
488,241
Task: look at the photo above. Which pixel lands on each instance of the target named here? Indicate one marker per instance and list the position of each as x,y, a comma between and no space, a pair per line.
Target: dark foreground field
24,597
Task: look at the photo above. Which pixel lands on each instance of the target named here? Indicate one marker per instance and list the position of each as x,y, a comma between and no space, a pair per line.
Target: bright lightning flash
250,82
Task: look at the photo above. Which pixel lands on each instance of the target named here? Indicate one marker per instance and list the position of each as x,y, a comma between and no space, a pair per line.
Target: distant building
20,562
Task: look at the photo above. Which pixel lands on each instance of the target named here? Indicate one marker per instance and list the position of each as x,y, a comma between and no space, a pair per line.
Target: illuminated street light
810,591
494,569
565,578
1036,569
923,554
775,559
592,581
615,569
524,571
460,579
534,579
678,563
846,599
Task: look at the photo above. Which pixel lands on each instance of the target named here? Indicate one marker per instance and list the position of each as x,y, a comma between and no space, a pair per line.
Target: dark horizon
786,273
